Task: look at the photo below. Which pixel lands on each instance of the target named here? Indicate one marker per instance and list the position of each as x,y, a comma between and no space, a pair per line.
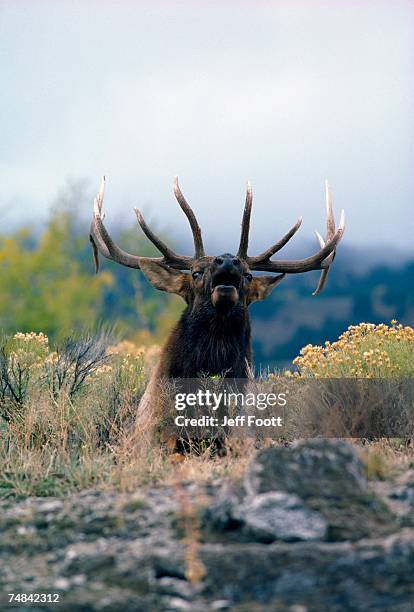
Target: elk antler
330,233
103,243
245,226
319,261
195,228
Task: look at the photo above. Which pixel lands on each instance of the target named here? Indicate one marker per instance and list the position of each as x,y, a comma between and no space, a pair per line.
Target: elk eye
196,275
248,276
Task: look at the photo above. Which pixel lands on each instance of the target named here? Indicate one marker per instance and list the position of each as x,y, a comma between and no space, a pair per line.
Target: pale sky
282,93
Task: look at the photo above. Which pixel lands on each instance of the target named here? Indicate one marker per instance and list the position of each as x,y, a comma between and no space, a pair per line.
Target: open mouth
225,279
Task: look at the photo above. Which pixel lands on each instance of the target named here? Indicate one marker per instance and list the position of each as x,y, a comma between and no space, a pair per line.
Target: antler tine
195,228
101,240
97,208
278,245
103,243
161,246
245,225
330,232
330,219
98,201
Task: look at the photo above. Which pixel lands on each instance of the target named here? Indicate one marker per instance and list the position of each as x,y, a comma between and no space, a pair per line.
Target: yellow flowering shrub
147,354
64,408
21,360
28,349
362,351
30,367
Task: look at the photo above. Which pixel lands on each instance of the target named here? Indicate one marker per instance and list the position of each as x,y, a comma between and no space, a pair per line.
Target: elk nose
226,264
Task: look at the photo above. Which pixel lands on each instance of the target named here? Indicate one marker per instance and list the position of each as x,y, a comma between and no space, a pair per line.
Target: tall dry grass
66,416
66,412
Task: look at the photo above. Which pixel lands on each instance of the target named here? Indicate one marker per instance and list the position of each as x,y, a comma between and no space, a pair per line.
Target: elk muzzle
226,279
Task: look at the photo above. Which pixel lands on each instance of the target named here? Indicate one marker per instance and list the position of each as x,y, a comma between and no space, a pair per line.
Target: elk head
214,331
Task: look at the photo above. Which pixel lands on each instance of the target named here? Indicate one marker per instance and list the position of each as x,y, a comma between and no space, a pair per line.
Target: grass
66,412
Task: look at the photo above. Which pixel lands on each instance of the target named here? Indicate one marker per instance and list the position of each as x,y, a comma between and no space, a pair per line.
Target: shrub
363,351
76,360
64,410
21,359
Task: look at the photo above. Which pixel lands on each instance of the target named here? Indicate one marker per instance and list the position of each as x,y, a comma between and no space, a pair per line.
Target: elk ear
262,286
164,278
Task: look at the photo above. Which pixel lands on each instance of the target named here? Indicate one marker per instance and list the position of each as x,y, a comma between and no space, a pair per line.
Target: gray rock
265,517
105,551
280,516
373,574
404,489
328,476
175,603
326,468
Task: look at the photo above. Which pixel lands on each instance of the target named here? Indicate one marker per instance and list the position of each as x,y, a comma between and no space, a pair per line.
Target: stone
280,516
302,532
326,468
328,476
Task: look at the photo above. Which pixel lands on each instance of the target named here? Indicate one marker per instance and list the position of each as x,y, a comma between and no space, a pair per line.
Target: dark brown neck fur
208,342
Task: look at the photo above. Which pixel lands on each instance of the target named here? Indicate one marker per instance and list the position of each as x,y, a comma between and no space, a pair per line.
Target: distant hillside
60,295
291,317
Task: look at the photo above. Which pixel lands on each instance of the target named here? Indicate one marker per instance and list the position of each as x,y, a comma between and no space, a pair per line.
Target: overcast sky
283,93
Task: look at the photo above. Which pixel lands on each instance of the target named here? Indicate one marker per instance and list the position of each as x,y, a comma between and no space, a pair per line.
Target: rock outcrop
304,531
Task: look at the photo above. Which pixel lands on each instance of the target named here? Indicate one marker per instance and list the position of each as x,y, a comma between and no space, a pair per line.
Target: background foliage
48,285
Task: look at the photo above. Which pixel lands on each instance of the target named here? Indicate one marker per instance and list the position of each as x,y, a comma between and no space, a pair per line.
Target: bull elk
212,335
